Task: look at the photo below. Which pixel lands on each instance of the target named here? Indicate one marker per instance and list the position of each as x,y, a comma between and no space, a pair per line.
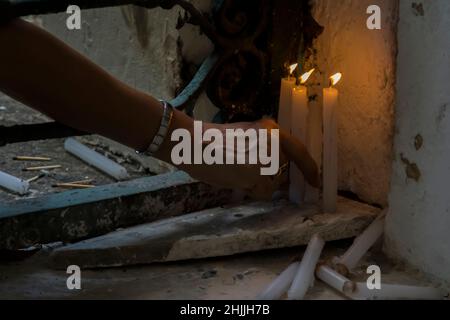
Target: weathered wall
137,45
367,92
140,47
419,219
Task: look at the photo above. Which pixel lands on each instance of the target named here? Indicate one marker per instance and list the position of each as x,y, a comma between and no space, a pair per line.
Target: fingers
297,152
265,189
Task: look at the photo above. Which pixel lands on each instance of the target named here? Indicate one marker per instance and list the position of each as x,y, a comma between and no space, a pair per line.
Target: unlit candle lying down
305,274
396,292
302,275
362,244
13,184
96,160
335,280
280,285
360,291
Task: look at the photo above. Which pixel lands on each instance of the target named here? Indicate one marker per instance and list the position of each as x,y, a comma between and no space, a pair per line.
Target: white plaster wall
419,220
115,39
367,92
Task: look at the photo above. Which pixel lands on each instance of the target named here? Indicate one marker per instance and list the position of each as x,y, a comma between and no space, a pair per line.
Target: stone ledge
80,214
217,232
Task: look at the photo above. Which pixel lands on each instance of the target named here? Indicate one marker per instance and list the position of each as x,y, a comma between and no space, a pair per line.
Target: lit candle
330,146
284,111
312,194
299,128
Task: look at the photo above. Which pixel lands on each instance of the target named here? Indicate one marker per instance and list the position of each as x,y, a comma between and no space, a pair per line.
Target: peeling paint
418,142
418,9
412,169
442,113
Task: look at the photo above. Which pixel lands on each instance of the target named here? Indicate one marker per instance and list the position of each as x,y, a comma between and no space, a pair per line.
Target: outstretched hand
249,177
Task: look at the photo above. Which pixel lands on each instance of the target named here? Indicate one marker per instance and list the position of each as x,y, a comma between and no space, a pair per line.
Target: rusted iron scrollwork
238,82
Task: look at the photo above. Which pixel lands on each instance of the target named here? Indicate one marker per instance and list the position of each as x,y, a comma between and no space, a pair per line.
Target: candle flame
306,76
334,79
292,68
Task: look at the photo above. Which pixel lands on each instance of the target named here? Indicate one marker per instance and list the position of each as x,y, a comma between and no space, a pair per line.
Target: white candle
362,244
312,194
284,109
330,146
96,160
299,129
13,184
305,274
335,280
281,284
396,292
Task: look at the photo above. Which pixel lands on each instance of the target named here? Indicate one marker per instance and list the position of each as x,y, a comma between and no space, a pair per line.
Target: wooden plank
217,232
80,214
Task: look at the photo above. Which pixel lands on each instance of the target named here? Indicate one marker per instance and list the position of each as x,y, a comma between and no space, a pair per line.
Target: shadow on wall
137,18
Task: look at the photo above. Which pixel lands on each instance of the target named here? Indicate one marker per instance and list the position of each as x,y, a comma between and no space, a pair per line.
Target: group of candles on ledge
293,117
299,277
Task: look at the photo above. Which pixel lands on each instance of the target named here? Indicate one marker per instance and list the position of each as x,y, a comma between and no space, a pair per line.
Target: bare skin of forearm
46,74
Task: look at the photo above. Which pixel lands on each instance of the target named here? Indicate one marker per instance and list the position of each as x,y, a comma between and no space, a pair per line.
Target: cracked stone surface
217,232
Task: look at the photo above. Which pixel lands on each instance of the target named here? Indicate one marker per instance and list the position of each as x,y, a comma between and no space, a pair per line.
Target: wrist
179,121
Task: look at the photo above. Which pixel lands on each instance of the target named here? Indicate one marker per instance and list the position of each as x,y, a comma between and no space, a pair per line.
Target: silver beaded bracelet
160,137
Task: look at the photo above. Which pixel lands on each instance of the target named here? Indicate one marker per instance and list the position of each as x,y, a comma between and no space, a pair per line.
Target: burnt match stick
36,178
42,168
26,158
72,186
87,182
